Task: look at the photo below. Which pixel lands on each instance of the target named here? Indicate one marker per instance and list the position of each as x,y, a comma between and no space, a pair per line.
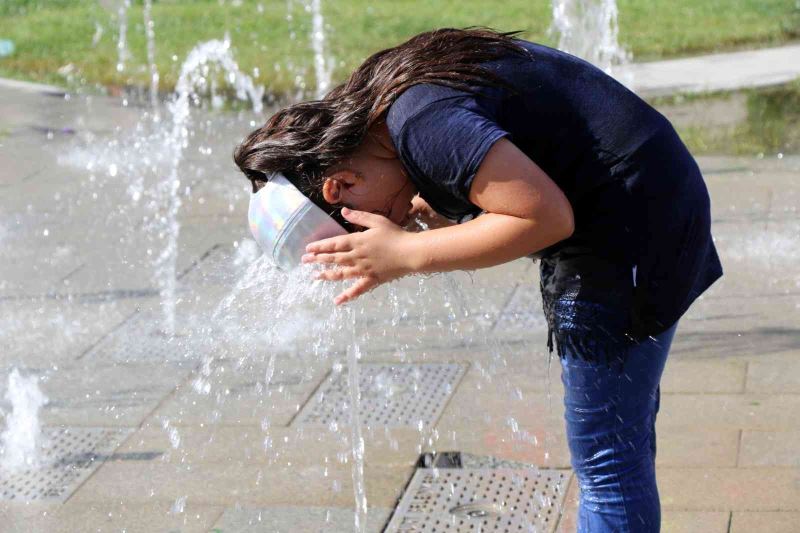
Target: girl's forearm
488,240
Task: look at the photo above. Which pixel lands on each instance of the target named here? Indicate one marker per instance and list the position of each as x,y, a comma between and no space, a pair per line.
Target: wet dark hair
303,140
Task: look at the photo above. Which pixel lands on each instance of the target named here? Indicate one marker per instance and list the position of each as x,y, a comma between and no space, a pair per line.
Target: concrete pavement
202,434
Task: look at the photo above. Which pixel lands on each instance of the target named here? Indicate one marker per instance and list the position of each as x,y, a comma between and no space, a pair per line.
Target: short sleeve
443,144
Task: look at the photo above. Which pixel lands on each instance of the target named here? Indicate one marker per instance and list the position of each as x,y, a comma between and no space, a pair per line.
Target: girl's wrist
413,253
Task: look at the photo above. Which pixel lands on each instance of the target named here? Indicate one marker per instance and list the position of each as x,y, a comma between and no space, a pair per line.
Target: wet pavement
205,431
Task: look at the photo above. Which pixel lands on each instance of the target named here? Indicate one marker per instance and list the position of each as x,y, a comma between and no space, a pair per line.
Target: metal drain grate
68,456
140,339
524,309
391,395
480,499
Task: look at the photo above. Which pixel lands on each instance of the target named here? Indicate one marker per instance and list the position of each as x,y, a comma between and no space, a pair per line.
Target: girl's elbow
566,222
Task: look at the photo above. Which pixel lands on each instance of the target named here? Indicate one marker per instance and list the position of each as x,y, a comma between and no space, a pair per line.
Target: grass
772,125
54,33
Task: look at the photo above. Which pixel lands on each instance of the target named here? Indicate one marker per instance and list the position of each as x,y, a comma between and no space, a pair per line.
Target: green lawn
54,33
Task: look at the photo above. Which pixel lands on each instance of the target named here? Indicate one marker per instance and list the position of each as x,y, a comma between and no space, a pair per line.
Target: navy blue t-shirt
642,248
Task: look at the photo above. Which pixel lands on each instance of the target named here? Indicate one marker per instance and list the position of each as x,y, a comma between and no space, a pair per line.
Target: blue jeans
611,416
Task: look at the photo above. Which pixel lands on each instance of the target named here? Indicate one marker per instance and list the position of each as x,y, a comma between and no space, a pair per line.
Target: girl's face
372,179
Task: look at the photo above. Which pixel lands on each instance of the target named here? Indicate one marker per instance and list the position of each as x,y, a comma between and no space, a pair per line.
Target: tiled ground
212,444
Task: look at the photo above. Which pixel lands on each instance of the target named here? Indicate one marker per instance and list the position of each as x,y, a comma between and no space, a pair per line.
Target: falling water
357,438
150,33
195,74
322,68
23,433
122,42
588,29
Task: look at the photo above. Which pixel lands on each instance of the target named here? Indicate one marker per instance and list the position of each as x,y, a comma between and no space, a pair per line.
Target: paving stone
43,333
291,519
722,489
248,485
238,394
280,446
672,521
729,411
770,448
108,394
108,516
696,447
774,522
692,521
569,514
703,376
773,377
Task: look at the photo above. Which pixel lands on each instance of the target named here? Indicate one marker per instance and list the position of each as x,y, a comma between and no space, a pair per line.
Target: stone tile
569,514
236,393
542,447
770,448
278,446
291,519
229,484
729,411
774,522
108,516
671,521
692,521
121,394
737,489
773,377
43,333
703,376
696,447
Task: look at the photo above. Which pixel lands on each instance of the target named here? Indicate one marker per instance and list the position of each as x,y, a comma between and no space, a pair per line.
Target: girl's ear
332,191
334,186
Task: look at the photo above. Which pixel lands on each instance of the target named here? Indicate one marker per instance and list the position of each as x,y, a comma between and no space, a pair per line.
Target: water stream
21,440
150,34
588,29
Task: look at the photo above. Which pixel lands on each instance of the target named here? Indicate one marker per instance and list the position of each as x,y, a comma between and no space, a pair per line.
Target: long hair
303,140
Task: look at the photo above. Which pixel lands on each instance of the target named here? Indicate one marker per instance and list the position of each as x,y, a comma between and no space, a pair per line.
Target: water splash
196,74
150,33
588,29
122,41
356,437
21,439
322,65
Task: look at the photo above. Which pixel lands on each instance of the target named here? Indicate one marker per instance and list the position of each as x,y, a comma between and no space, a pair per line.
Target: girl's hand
382,253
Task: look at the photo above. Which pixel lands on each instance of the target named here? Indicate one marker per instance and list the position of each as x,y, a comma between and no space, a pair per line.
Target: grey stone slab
239,484
290,519
770,448
715,72
736,489
178,516
774,376
41,333
772,521
67,457
106,393
239,393
729,411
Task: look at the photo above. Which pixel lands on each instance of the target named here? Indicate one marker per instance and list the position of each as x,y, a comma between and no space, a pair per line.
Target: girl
533,152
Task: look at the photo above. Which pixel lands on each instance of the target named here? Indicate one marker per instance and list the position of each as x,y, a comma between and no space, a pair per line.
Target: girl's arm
525,212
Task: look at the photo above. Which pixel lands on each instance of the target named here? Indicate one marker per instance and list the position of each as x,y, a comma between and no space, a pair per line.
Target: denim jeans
611,415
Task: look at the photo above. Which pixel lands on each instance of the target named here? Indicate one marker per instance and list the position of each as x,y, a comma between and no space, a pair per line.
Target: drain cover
68,456
480,499
524,309
391,395
141,338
